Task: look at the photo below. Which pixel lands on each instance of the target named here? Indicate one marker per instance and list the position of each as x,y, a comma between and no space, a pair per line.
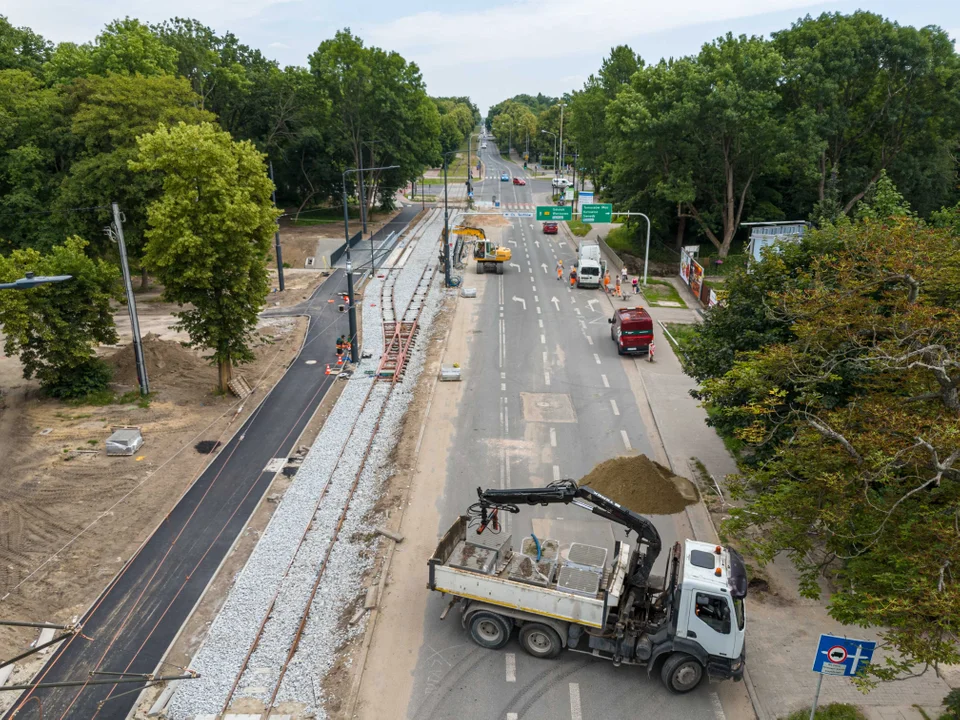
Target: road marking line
503,376
556,472
546,378
626,440
606,383
538,310
536,298
511,716
511,667
540,320
544,357
575,712
543,339
589,339
613,406
597,358
503,387
717,707
553,437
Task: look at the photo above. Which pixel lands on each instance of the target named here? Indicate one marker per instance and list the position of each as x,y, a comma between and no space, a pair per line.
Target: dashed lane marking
606,383
613,406
556,473
553,437
511,667
575,712
597,358
546,378
626,440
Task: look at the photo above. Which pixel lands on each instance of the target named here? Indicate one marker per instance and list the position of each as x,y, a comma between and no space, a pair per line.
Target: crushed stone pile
164,359
642,485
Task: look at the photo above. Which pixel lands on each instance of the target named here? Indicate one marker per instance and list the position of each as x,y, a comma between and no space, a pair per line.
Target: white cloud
541,29
279,45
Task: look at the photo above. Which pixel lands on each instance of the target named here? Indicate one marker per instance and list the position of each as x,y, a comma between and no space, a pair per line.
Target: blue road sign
842,656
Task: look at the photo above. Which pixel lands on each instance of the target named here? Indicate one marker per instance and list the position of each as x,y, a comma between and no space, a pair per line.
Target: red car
519,181
632,330
550,228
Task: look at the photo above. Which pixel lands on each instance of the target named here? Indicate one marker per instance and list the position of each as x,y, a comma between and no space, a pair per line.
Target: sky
487,50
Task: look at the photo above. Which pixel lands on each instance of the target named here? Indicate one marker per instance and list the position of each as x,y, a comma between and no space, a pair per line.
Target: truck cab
632,330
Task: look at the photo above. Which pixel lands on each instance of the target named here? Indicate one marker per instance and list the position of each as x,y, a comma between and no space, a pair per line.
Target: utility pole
117,236
276,234
363,201
562,166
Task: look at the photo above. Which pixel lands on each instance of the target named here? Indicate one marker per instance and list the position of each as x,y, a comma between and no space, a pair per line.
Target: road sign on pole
594,213
518,214
842,657
553,212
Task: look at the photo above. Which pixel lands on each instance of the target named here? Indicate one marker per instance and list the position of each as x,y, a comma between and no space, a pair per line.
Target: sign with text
594,213
553,212
842,656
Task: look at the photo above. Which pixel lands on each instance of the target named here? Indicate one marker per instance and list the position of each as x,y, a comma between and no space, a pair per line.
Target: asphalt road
382,241
537,336
134,621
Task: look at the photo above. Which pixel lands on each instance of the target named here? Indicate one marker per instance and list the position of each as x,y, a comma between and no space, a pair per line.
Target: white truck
590,267
684,626
561,183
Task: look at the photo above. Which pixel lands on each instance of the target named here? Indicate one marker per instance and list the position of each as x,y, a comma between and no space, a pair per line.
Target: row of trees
836,363
79,129
795,127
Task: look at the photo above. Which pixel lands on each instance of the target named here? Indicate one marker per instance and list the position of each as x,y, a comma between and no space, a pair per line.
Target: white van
561,183
589,273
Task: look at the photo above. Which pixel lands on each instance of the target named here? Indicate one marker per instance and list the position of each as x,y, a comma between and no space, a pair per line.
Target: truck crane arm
568,492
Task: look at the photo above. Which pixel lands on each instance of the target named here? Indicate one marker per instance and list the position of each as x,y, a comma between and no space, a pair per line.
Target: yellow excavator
489,257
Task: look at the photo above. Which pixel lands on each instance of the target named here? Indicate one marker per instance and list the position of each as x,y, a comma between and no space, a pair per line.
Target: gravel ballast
328,472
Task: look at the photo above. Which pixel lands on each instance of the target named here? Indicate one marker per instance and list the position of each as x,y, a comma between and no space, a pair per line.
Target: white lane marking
626,440
530,270
511,716
717,707
506,426
539,310
503,376
590,305
597,358
544,266
512,265
503,342
556,472
541,322
555,302
520,300
577,310
500,288
543,339
546,377
613,406
544,357
553,437
575,712
503,387
536,298
511,667
589,339
606,383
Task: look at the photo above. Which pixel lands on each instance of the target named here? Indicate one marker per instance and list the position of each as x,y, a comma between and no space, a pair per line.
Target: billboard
685,266
696,277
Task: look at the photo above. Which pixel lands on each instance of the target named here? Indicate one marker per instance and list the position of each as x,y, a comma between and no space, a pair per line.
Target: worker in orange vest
573,277
606,283
560,270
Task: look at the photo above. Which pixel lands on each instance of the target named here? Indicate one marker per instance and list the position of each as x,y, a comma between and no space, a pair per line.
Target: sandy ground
318,241
69,515
388,655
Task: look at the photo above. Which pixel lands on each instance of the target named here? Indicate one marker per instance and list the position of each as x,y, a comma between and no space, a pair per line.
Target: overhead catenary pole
646,255
276,234
131,303
351,310
562,166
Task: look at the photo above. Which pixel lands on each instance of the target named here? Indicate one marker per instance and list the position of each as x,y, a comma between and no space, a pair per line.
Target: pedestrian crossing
518,206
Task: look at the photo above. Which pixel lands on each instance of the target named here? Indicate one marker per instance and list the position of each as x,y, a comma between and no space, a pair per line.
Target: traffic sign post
594,213
554,212
841,657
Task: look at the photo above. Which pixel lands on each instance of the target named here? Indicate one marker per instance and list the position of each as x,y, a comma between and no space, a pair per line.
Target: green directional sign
596,213
554,212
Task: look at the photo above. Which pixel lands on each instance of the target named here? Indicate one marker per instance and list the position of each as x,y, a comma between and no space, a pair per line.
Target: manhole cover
205,447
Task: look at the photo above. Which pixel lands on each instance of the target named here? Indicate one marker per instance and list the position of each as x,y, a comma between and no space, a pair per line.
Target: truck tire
541,641
479,268
681,673
489,630
500,268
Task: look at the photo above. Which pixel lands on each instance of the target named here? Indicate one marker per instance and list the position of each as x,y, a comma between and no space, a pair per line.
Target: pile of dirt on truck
642,485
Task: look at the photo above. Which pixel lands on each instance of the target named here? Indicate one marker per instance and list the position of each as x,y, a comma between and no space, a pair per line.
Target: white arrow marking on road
512,242
561,244
555,302
537,243
515,265
544,266
520,300
577,310
590,304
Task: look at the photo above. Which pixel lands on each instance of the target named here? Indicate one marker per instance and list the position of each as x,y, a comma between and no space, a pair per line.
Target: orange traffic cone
340,360
328,372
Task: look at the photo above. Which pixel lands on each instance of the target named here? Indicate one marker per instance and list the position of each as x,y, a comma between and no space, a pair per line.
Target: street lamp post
646,256
29,280
363,199
470,138
547,132
351,310
562,166
446,224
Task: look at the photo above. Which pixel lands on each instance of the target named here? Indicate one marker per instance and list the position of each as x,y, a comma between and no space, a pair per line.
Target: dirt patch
163,358
485,221
642,485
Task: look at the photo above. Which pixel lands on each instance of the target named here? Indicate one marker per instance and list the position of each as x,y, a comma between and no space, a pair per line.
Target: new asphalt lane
130,626
547,396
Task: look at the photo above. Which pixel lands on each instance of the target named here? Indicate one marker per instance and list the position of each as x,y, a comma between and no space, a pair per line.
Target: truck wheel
681,673
479,268
489,630
499,268
541,641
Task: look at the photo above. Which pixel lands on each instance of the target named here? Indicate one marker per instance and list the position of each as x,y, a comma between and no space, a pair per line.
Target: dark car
519,181
632,330
550,228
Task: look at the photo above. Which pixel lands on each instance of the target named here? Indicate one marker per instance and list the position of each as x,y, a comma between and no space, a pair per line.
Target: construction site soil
642,485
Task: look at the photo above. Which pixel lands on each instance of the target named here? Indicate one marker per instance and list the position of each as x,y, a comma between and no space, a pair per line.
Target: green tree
883,201
209,235
21,48
55,328
68,62
699,132
856,415
879,96
129,46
